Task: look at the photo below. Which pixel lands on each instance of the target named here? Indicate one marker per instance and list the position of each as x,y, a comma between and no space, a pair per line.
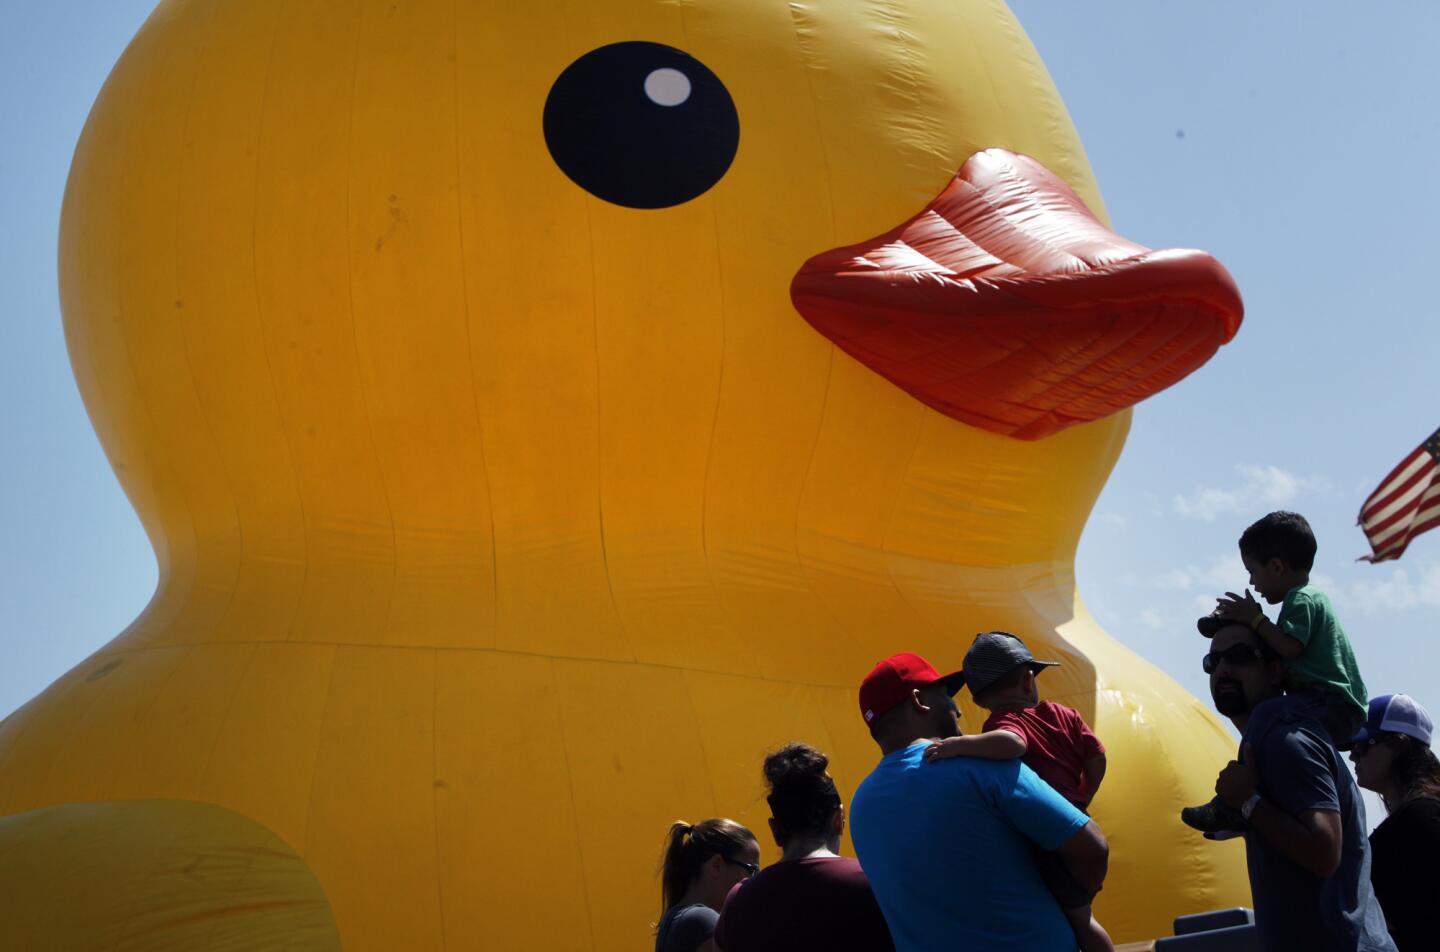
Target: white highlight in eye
667,87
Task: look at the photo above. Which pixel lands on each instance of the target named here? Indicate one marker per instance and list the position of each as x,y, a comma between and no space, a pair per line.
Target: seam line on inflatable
265,341
434,787
354,322
574,813
470,336
184,157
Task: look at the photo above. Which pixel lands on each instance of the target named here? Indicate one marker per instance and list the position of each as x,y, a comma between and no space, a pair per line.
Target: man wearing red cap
948,845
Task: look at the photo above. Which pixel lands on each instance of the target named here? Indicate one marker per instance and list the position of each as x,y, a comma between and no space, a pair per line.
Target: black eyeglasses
750,868
1235,654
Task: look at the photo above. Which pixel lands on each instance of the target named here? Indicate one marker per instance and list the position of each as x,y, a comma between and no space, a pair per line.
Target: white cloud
1154,620
1114,521
1399,590
1187,592
1219,575
1259,487
1174,579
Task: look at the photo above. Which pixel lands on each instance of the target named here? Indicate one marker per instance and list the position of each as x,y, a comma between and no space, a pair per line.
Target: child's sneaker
1216,817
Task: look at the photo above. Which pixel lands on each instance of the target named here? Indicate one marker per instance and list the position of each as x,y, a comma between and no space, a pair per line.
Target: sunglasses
1234,655
1364,746
750,868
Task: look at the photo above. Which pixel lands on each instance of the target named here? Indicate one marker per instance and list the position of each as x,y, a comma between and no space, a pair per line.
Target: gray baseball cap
994,655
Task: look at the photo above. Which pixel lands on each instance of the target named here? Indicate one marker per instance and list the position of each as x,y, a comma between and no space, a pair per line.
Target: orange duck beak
1007,305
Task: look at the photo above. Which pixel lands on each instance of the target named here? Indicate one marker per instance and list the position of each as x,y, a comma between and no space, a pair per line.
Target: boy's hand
1234,608
942,749
1236,782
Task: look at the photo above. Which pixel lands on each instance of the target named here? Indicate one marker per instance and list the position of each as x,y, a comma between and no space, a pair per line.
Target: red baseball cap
892,680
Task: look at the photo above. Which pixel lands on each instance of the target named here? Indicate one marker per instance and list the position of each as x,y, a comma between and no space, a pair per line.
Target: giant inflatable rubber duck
539,411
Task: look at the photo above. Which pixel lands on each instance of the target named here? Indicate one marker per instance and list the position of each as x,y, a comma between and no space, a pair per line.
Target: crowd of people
984,841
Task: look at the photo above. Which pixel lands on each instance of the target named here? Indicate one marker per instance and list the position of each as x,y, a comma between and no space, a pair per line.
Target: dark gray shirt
683,928
1299,771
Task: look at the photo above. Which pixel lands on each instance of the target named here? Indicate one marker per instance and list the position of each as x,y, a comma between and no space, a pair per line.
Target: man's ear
920,705
775,832
1277,565
837,822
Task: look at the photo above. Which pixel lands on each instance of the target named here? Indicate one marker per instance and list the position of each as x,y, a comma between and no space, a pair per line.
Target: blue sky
1295,141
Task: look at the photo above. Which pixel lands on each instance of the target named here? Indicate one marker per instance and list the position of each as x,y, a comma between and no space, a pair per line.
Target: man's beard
1231,703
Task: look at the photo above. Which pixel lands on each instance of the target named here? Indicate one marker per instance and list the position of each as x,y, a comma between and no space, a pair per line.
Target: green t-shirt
1327,659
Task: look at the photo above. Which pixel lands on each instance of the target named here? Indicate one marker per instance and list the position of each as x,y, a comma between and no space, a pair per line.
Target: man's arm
1312,839
1087,856
1312,836
1037,812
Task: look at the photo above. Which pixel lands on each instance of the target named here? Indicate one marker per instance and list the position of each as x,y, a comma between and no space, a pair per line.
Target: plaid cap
1209,624
995,654
1396,714
892,680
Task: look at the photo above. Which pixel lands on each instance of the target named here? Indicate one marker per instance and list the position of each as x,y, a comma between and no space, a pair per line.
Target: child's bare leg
1090,935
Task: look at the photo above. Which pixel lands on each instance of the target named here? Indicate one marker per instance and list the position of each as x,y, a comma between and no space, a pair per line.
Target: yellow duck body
499,525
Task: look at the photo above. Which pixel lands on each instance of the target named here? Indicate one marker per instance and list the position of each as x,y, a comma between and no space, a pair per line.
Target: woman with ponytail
1392,757
698,867
813,898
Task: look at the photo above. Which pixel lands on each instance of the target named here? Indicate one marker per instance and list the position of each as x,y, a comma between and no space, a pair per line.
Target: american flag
1406,504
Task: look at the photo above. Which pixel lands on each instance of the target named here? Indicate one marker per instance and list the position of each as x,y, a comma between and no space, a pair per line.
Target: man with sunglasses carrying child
1305,844
1321,675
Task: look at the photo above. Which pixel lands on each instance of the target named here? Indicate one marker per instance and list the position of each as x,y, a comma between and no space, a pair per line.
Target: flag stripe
1387,495
1405,504
1398,548
1401,522
1400,474
1426,519
1382,518
1380,537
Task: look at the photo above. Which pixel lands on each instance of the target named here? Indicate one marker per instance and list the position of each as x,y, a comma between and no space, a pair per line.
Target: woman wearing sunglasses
1392,757
699,867
814,898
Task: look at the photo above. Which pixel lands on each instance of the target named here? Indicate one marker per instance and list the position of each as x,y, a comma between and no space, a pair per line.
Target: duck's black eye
641,125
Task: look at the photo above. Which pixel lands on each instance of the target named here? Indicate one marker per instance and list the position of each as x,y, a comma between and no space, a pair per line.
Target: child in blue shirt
1322,678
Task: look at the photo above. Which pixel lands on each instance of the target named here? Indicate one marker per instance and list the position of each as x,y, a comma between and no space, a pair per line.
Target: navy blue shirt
1300,771
949,847
684,928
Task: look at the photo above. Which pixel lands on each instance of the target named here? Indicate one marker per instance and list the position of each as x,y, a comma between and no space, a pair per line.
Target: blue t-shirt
1299,771
949,847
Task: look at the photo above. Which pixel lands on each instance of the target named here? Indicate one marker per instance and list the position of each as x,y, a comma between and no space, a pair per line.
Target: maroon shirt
1058,742
819,903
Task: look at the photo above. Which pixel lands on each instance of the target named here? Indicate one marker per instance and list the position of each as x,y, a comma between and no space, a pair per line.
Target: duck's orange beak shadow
1007,305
